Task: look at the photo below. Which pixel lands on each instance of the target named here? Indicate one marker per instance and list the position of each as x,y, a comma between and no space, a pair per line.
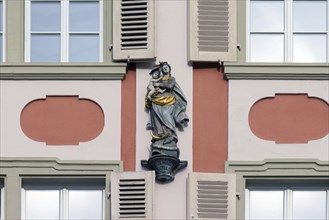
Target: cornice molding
273,71
57,166
282,167
62,71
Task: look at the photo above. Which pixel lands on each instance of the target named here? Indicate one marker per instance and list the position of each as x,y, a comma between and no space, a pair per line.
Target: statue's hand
185,122
149,126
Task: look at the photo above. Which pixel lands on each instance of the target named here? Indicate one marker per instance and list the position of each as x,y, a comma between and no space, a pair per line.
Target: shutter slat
211,12
129,202
130,14
134,211
212,215
133,27
134,44
134,17
213,210
133,216
134,7
125,2
131,196
133,34
134,47
215,19
140,185
214,49
127,23
130,37
212,196
211,205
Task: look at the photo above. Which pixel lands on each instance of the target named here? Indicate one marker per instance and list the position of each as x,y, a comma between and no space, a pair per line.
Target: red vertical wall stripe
210,119
128,120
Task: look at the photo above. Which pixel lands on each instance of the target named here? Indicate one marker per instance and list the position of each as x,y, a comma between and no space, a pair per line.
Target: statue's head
165,68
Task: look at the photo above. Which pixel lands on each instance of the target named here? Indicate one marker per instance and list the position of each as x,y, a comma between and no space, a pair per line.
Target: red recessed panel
62,120
290,118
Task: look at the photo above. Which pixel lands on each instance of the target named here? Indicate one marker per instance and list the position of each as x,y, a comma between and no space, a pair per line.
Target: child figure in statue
153,90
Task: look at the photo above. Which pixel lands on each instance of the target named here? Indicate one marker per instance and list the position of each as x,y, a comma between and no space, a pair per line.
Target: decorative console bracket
165,167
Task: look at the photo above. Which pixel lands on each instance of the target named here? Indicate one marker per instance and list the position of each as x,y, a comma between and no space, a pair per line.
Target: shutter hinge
238,196
108,195
238,46
220,65
110,47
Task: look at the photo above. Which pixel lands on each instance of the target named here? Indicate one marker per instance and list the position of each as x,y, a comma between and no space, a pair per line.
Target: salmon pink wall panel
210,119
290,118
62,120
128,120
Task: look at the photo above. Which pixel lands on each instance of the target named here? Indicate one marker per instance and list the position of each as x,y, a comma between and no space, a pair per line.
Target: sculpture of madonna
166,106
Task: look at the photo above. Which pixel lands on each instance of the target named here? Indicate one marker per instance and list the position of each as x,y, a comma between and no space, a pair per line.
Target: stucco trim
14,170
274,71
275,170
284,167
56,166
67,71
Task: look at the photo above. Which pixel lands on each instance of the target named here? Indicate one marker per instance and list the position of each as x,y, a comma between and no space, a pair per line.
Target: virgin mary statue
166,105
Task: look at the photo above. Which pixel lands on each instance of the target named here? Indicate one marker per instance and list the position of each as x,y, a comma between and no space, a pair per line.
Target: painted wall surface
128,120
16,94
244,145
170,199
210,114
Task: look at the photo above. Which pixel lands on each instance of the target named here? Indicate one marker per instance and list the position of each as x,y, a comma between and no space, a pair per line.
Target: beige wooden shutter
212,30
211,196
132,195
133,29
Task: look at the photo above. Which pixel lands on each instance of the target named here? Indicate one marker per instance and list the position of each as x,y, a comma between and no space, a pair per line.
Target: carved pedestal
165,167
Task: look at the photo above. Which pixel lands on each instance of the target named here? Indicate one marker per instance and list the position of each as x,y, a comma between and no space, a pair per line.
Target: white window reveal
287,203
63,31
2,22
288,31
62,202
2,200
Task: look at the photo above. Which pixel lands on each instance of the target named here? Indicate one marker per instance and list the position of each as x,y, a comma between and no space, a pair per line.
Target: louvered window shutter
133,29
212,30
132,195
211,196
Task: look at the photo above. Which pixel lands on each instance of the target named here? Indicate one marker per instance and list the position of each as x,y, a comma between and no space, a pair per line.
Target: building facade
73,79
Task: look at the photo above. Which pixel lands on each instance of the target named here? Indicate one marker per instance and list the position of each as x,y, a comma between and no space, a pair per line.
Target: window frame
288,34
63,187
15,170
64,32
243,70
275,171
287,189
15,67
